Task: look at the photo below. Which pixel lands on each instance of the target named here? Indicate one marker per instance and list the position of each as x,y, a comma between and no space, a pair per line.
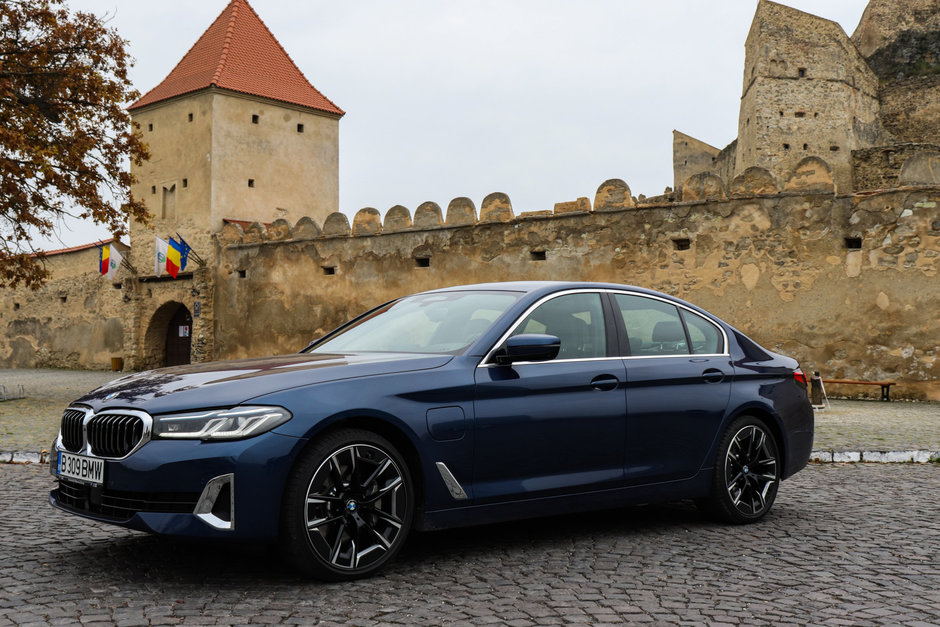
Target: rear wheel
348,506
747,473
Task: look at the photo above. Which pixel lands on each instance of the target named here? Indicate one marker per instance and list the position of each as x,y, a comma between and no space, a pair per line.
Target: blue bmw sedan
457,406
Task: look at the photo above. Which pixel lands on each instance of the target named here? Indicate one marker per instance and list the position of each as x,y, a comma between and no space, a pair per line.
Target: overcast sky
540,99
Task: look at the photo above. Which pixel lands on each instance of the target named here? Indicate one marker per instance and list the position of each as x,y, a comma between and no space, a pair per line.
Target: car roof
544,287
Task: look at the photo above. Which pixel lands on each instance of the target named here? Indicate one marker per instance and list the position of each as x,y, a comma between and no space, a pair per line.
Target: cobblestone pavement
30,424
845,544
878,426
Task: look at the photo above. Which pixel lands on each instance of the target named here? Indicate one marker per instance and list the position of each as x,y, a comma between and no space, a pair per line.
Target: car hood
229,383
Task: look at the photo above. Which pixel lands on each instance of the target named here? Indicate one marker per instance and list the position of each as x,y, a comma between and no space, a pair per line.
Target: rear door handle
605,382
713,375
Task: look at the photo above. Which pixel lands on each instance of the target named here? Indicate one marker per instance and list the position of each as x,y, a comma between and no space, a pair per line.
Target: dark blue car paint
518,446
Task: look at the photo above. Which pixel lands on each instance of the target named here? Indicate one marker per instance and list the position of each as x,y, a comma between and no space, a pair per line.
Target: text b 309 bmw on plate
458,406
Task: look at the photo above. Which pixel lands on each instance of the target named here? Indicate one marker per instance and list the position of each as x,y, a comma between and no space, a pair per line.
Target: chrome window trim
484,363
146,418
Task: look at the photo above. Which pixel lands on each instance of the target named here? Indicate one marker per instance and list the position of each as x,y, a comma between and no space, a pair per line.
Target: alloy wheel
355,507
751,474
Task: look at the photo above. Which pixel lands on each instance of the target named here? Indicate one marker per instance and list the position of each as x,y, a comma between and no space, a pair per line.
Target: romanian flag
104,257
174,262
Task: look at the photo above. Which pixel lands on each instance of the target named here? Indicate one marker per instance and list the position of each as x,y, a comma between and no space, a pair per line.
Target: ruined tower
807,92
901,41
236,131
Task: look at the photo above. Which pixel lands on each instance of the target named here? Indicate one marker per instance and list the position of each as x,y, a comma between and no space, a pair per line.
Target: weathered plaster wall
777,266
73,322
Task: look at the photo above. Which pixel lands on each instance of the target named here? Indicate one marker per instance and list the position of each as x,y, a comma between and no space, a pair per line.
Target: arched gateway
169,336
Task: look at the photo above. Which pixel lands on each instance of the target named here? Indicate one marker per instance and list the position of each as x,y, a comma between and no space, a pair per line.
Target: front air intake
73,437
114,434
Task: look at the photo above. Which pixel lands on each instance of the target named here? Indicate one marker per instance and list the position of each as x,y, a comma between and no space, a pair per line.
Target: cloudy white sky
540,99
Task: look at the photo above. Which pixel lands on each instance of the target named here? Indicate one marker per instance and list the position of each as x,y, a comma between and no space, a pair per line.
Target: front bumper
189,488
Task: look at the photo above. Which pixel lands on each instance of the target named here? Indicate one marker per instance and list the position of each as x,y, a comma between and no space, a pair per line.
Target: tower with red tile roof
235,131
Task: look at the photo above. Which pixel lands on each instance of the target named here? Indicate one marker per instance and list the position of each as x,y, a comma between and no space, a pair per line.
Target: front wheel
747,473
348,506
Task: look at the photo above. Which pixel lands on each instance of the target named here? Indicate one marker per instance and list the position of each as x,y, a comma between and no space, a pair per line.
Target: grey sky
542,100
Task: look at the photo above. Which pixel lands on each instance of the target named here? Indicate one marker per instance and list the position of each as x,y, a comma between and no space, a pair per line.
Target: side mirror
528,347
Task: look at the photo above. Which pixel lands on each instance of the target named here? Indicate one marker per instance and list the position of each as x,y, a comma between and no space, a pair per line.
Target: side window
576,319
705,336
653,326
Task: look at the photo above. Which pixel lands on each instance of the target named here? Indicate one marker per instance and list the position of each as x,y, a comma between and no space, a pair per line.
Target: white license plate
87,469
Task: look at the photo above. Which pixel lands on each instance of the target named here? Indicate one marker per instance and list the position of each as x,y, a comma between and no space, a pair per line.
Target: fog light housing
216,504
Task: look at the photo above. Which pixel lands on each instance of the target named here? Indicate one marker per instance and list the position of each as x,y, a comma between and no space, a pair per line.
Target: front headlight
220,424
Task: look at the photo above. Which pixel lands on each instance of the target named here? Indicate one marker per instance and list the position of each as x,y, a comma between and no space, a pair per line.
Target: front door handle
605,382
713,375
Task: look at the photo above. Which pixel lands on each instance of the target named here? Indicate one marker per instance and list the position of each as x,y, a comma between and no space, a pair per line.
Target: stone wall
846,284
73,322
881,167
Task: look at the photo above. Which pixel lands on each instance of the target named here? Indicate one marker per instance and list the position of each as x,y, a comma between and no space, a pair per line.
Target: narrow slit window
422,262
537,255
150,127
800,114
251,182
185,182
242,274
255,118
190,117
153,189
117,286
801,72
300,128
834,148
805,146
329,270
16,306
853,243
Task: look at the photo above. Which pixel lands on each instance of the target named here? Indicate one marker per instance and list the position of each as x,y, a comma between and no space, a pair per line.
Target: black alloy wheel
747,473
348,506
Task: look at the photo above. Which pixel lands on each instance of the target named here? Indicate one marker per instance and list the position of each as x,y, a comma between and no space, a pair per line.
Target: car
457,406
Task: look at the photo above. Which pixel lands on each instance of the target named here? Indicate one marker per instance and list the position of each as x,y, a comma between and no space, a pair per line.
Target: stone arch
367,221
921,169
812,174
496,207
702,186
613,195
398,218
754,181
158,333
428,216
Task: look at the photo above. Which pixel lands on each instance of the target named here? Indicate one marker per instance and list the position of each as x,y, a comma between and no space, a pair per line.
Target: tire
746,475
348,506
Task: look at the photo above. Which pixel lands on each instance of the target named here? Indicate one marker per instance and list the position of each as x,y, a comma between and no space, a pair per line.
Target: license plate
86,469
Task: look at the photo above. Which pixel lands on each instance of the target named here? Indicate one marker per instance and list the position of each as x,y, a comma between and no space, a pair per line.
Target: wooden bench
885,385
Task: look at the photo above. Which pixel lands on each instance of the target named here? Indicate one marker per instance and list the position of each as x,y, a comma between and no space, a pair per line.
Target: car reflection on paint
458,406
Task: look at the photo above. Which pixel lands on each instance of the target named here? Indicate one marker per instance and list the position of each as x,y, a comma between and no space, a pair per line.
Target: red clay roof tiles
239,53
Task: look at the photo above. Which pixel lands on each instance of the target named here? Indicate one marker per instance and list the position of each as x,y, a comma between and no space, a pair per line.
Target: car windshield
441,322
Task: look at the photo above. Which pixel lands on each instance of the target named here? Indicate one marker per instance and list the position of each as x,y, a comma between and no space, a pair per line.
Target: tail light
799,377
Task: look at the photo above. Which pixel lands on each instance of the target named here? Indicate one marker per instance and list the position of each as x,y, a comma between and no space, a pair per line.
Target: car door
556,426
678,385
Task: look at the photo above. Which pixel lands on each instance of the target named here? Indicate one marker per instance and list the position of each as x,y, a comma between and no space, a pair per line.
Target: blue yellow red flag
173,257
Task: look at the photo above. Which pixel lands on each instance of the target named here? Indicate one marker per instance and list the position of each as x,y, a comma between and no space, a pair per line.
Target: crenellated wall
847,284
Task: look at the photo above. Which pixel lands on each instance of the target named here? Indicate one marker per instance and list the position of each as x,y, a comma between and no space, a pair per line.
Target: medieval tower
236,132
